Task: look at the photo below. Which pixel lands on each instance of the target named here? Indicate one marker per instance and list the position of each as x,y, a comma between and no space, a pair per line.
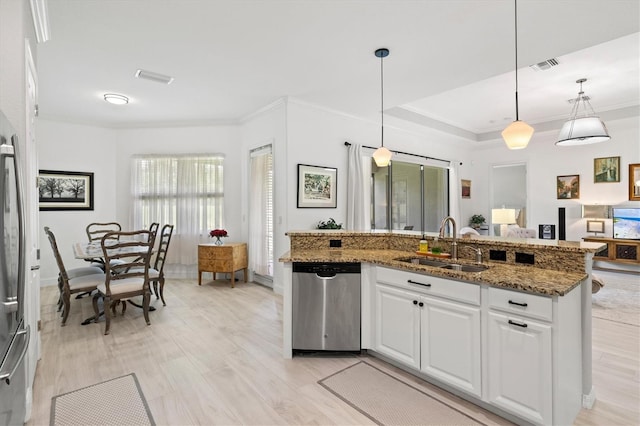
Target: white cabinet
397,325
437,335
519,366
450,343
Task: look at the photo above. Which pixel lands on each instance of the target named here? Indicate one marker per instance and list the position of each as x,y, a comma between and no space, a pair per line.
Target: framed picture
317,186
568,187
466,188
65,190
547,232
606,169
595,226
634,182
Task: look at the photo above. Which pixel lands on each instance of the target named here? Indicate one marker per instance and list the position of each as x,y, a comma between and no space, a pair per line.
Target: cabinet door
450,343
519,367
398,325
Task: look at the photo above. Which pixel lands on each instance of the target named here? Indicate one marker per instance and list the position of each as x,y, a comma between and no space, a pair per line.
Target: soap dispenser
424,245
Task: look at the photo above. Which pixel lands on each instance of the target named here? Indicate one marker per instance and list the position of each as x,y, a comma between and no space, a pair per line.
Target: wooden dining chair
127,256
156,273
96,230
70,281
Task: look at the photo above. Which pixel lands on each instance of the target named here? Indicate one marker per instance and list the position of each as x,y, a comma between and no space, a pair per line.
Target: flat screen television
626,223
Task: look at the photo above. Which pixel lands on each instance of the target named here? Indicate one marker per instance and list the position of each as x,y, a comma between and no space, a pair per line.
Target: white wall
78,148
545,161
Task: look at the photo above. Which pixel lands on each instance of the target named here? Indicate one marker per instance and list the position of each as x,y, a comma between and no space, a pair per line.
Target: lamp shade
582,131
503,216
382,157
517,135
595,211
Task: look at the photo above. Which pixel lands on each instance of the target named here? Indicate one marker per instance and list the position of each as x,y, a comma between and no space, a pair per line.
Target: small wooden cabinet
226,258
617,250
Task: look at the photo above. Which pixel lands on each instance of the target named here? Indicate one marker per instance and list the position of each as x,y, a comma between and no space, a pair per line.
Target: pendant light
518,133
382,156
584,126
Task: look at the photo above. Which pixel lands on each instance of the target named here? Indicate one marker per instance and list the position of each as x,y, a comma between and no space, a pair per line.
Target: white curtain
358,189
185,191
261,212
454,191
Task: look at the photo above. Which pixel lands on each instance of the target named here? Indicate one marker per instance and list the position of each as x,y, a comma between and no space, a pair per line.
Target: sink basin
466,268
422,261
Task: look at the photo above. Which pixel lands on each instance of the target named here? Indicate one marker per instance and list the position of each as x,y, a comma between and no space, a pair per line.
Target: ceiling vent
154,76
545,65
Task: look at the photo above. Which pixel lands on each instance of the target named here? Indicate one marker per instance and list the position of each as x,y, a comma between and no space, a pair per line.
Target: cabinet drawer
516,302
434,286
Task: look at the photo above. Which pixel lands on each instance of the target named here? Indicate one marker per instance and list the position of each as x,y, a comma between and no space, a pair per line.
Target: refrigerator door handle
10,305
8,375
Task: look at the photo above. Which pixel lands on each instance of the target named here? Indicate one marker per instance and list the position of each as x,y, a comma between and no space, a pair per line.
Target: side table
226,258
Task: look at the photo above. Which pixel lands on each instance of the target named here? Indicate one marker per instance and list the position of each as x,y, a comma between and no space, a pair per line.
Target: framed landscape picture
317,186
568,187
58,190
466,188
606,169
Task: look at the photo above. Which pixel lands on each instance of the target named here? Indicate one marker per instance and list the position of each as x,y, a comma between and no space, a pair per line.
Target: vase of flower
218,234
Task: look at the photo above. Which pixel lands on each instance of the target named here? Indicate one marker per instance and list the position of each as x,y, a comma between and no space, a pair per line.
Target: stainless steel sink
466,268
422,261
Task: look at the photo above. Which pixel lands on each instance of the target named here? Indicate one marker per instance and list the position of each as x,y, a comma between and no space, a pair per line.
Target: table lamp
595,211
504,218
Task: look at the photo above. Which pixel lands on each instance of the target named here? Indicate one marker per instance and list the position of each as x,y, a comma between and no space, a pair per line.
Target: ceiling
451,64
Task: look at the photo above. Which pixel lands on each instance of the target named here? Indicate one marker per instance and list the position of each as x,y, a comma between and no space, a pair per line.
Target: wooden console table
617,250
227,258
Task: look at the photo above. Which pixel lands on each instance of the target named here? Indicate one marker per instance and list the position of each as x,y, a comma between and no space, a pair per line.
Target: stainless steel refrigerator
14,335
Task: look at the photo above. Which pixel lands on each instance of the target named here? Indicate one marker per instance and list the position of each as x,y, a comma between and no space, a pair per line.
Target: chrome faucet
454,244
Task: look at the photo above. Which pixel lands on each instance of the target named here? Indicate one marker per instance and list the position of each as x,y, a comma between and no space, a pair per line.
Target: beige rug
115,402
619,299
389,401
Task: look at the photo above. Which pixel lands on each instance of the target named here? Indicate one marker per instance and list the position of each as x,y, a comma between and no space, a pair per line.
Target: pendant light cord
381,102
516,25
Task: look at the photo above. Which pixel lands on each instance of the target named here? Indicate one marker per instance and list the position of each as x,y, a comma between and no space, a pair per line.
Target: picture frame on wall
465,186
317,186
634,182
62,190
547,232
568,187
606,169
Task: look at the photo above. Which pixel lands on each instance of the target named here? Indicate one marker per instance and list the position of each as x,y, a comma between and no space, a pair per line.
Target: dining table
92,251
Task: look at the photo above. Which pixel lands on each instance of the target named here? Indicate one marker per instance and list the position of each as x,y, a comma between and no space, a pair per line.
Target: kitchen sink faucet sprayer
454,231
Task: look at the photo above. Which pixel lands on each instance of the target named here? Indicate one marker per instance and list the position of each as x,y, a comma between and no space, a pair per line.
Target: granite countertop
530,279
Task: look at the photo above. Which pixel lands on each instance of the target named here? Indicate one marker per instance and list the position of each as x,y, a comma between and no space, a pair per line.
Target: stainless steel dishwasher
326,306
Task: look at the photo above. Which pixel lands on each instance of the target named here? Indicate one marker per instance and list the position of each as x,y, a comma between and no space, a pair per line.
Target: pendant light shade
518,134
382,156
583,126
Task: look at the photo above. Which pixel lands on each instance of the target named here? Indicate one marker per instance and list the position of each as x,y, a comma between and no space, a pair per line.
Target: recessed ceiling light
116,99
154,76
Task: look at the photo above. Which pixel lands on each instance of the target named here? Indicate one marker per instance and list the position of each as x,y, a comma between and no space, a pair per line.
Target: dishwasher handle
326,275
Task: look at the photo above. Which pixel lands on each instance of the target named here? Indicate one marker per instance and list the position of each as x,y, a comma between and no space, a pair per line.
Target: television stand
617,250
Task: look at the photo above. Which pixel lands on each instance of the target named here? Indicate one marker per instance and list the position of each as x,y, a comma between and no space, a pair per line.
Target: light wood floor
213,356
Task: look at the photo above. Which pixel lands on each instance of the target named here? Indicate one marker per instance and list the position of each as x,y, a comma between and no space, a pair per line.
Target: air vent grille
154,76
545,65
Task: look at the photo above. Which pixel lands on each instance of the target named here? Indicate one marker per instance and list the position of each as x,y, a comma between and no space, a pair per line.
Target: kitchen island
514,338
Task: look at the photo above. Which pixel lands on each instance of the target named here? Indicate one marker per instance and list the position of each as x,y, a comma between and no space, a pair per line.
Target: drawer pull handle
511,302
415,302
421,304
416,282
519,324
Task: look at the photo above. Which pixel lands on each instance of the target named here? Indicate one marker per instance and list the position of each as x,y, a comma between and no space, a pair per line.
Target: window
408,195
186,191
261,212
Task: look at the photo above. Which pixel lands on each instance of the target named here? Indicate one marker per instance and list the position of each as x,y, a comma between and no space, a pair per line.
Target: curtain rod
405,153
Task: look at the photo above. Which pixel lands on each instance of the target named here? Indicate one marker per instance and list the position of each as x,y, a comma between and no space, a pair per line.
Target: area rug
619,299
117,401
387,400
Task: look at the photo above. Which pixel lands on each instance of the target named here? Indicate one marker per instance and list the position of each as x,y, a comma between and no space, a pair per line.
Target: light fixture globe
382,157
517,135
115,99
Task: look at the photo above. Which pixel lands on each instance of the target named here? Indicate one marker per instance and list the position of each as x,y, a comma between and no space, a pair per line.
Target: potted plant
329,224
476,221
